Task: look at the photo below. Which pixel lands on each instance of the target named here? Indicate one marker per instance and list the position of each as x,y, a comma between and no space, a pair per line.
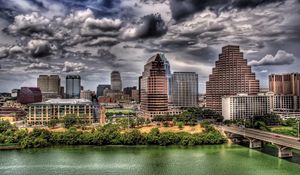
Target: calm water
143,160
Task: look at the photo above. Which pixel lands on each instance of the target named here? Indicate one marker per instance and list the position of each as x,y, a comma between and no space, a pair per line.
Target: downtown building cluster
232,90
163,93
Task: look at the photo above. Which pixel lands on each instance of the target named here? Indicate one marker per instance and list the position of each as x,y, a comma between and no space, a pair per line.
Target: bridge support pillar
254,143
284,152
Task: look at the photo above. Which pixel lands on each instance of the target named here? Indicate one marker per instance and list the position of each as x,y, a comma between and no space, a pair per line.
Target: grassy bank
108,135
285,130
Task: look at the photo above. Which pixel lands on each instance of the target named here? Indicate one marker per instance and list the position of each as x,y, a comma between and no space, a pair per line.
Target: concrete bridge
256,138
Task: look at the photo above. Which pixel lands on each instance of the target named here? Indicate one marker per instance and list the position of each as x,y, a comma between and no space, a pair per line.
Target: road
273,138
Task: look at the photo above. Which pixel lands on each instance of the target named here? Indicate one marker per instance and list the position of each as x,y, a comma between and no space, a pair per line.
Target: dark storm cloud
148,26
252,3
39,48
183,8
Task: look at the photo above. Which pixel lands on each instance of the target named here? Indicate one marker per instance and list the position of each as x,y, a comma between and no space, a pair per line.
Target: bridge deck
277,139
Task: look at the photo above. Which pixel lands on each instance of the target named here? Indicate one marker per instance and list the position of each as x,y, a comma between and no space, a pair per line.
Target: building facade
101,88
285,84
29,95
73,86
49,85
230,76
39,114
185,89
116,81
154,88
86,94
243,106
15,93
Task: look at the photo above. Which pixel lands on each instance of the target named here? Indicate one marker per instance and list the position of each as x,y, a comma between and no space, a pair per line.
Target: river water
144,160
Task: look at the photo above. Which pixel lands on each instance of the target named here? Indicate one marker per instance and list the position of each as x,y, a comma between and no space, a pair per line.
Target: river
144,160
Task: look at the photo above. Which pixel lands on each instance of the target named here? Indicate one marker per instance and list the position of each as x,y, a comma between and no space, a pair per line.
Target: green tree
53,122
70,120
5,125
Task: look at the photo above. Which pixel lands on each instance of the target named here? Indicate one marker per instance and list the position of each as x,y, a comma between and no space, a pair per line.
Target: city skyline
41,37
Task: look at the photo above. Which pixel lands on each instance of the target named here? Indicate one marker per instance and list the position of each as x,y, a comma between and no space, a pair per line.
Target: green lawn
286,130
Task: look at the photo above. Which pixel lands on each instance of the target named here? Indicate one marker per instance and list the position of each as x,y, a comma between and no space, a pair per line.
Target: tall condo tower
230,76
154,89
116,81
73,86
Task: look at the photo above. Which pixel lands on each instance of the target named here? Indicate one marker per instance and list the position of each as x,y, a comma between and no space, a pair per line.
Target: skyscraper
168,75
49,85
154,92
116,82
230,76
73,86
100,89
185,89
285,84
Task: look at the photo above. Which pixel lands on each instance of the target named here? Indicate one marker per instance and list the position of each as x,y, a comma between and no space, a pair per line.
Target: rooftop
66,101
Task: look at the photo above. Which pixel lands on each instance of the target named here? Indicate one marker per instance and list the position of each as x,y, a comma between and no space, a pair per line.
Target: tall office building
168,75
285,84
154,91
230,76
185,89
49,83
140,87
73,86
116,82
101,88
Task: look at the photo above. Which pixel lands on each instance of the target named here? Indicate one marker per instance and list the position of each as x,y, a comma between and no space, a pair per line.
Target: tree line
107,135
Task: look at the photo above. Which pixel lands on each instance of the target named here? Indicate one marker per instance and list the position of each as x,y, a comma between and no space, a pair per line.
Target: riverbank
109,135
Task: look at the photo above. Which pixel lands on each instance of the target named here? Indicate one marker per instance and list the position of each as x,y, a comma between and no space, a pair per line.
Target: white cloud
281,58
74,67
38,66
78,17
29,23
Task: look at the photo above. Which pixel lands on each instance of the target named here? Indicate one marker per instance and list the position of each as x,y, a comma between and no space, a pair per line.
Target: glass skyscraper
73,86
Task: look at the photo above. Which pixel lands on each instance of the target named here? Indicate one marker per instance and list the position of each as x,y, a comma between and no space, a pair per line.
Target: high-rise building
101,88
154,89
168,75
49,83
230,76
128,90
140,87
73,86
116,82
185,89
29,95
285,84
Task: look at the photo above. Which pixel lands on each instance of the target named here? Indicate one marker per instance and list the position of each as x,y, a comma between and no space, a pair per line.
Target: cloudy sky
94,37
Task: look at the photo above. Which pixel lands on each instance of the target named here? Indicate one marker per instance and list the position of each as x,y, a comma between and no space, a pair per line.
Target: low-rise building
243,106
39,114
